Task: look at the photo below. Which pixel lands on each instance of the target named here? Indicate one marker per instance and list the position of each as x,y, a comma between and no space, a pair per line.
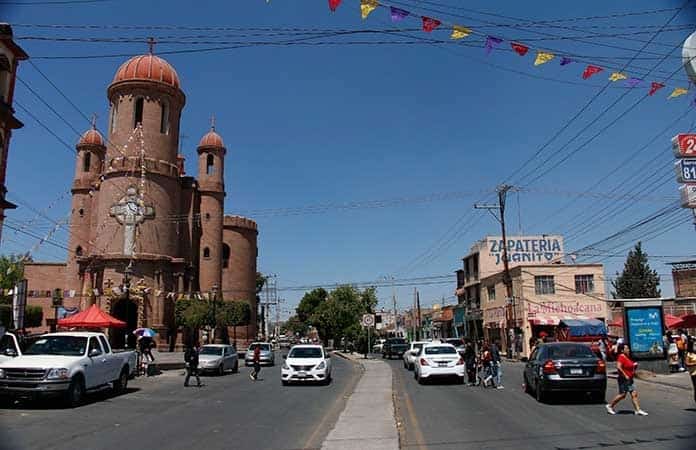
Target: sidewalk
679,380
368,421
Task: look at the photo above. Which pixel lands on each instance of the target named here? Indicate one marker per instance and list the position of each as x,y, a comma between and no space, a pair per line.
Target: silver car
218,358
265,358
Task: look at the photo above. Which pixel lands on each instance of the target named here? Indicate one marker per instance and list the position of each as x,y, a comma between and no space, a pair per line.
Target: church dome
91,137
211,139
147,67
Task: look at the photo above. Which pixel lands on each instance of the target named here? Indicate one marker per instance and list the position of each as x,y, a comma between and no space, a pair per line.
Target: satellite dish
689,57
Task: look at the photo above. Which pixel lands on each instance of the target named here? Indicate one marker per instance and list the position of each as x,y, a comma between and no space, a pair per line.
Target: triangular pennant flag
491,43
565,61
95,291
590,70
367,6
429,24
459,32
543,58
654,87
333,4
398,14
72,293
616,76
520,49
158,292
677,92
633,82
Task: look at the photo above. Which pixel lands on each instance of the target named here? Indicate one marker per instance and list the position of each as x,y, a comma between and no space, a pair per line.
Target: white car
306,363
411,354
379,344
438,360
218,358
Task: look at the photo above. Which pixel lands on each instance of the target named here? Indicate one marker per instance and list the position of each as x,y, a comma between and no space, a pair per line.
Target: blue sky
376,124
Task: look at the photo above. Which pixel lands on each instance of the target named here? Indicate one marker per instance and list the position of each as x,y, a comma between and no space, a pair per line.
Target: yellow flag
677,92
459,32
367,6
543,57
616,76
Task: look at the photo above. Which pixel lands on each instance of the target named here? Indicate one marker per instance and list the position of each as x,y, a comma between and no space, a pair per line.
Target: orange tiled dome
91,137
211,139
147,67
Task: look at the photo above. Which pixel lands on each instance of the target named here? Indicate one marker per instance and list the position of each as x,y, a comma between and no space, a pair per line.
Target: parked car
561,367
67,364
394,347
377,347
306,363
218,358
412,353
437,360
457,342
267,357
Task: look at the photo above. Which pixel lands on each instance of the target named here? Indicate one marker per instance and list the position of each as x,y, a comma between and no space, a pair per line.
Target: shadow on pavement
50,403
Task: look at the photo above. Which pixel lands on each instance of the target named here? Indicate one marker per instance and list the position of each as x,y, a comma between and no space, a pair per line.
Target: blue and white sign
685,170
687,195
644,331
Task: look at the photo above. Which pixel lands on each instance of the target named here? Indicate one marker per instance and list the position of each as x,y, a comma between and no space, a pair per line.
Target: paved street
228,412
450,416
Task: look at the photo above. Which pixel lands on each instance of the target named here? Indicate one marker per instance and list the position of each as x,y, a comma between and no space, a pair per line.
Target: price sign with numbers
686,170
684,145
687,192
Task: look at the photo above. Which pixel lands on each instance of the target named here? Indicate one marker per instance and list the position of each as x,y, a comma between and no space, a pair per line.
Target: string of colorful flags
491,43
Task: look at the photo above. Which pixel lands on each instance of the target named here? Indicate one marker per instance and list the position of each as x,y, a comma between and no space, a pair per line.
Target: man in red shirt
626,368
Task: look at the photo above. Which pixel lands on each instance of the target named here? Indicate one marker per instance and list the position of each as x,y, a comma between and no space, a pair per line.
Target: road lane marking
415,428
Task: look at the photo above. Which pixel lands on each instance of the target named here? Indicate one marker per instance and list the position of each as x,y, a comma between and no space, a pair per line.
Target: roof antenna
151,44
94,121
212,122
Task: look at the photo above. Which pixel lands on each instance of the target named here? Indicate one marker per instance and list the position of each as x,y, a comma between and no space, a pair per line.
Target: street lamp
213,298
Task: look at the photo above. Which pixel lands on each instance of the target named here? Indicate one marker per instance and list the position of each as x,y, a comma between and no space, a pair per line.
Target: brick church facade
136,213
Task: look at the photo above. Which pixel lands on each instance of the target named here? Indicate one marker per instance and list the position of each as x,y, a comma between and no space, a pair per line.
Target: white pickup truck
67,364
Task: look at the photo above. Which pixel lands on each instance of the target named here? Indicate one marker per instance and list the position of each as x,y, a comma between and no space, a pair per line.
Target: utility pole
511,321
418,330
413,316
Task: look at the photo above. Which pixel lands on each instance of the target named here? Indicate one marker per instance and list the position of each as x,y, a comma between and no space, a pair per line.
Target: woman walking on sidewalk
690,361
627,370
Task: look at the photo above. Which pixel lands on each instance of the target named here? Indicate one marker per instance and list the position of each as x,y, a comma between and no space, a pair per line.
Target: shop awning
553,319
91,318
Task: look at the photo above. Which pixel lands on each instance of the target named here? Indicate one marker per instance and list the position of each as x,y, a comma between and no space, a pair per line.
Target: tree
33,316
637,280
11,272
233,314
309,303
294,326
339,316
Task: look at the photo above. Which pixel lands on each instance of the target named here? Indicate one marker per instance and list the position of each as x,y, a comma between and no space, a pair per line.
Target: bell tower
211,179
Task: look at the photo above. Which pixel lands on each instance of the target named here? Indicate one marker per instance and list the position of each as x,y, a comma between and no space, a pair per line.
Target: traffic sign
368,320
687,193
686,170
684,145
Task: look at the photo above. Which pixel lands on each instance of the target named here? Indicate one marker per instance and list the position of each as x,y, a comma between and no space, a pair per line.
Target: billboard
542,249
644,327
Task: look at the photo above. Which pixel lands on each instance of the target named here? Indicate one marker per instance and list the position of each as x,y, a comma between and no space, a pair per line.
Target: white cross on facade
130,213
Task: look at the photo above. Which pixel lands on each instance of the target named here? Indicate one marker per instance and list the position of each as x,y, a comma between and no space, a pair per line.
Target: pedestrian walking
145,344
682,341
257,363
470,362
191,359
486,363
627,369
497,365
603,347
690,361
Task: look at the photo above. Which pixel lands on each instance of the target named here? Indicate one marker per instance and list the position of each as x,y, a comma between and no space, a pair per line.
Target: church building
138,220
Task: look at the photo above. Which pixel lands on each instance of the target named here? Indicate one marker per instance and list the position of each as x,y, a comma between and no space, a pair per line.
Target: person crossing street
191,359
627,369
254,375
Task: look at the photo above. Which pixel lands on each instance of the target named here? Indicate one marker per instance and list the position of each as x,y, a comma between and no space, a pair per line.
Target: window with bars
584,284
491,293
543,284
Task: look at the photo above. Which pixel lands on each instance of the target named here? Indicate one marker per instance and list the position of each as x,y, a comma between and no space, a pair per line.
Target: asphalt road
227,412
451,416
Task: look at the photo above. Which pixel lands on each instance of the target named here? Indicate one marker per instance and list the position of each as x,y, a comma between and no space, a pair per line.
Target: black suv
394,346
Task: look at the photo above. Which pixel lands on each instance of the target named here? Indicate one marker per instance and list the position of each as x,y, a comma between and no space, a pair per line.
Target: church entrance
125,310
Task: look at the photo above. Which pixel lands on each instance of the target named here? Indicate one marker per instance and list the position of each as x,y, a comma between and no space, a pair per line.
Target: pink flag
333,4
590,70
429,24
519,48
654,87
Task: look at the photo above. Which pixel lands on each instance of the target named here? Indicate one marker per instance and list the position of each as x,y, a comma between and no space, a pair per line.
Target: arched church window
78,251
206,252
4,78
225,256
207,216
114,115
81,212
210,161
164,120
138,111
86,160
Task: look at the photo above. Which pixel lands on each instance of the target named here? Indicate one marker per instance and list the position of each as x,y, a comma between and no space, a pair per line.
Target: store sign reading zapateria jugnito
526,249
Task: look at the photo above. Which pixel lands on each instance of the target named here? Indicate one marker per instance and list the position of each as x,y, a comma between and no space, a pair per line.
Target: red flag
654,87
590,70
430,24
519,48
333,4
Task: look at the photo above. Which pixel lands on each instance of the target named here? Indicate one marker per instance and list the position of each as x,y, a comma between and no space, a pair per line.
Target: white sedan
306,363
411,354
438,360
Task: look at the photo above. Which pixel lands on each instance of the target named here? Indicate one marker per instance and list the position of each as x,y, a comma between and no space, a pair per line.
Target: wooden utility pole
418,330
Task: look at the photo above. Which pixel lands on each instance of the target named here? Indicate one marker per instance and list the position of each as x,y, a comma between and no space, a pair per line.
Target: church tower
89,162
211,180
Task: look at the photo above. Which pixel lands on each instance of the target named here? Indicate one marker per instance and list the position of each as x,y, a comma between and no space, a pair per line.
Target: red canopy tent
670,320
688,321
93,317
